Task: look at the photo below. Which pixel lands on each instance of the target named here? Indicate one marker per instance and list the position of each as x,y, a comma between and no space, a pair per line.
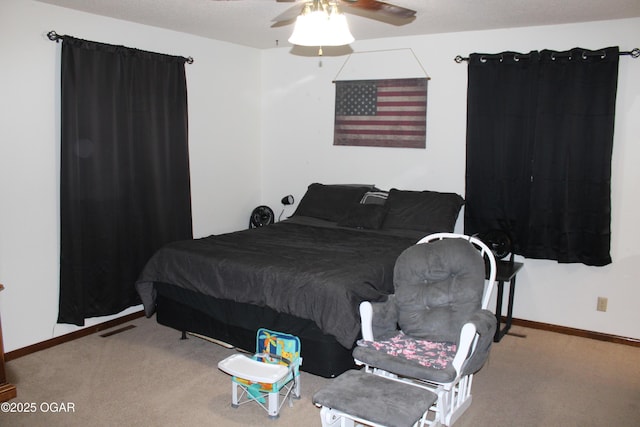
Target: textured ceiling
249,22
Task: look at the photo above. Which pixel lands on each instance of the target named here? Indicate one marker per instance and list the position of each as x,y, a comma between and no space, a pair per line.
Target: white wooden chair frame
453,397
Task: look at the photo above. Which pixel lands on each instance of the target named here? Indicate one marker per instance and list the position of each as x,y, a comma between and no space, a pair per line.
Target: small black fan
498,241
261,216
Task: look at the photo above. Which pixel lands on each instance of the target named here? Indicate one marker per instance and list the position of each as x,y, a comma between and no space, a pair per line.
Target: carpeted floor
146,376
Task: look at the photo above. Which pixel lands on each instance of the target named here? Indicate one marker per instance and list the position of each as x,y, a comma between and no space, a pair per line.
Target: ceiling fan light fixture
321,24
338,31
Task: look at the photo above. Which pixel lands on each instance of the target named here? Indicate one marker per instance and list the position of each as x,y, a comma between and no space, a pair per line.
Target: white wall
297,132
224,109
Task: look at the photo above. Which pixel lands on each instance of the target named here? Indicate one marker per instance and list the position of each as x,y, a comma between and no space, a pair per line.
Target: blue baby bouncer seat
268,377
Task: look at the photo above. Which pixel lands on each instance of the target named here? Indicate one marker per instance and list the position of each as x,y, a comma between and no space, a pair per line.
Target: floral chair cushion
434,355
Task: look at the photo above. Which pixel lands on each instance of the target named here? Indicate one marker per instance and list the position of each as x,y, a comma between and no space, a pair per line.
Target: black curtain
539,143
124,178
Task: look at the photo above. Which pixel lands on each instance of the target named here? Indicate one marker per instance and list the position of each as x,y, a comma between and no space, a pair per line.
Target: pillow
374,197
427,211
370,187
329,202
364,216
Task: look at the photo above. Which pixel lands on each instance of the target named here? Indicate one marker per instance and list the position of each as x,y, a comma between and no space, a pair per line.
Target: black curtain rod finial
53,36
634,53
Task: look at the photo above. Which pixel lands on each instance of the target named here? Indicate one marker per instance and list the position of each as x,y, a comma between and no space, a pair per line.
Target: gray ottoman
374,398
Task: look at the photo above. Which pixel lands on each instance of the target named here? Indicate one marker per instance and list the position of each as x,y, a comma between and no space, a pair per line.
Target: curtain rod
55,37
634,53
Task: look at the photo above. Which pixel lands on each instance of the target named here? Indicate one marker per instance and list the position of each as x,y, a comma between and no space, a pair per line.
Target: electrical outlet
602,304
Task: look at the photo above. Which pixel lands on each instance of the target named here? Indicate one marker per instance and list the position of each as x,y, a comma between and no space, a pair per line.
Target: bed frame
236,324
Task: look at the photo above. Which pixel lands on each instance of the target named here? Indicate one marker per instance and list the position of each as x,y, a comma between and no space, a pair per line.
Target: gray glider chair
435,331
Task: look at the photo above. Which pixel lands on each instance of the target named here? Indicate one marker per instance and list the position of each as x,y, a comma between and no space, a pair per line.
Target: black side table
505,272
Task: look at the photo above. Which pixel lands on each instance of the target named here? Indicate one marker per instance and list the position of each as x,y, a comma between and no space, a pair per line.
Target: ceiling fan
372,9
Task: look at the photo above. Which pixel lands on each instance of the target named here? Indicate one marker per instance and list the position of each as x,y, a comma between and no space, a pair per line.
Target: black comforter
310,270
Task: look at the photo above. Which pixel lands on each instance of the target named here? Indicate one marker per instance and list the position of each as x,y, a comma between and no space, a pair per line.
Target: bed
305,275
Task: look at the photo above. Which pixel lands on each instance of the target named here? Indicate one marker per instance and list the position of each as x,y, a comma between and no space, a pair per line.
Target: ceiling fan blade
371,9
382,8
288,16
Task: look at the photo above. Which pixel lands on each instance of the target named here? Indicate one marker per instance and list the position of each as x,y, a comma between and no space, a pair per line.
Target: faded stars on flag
381,113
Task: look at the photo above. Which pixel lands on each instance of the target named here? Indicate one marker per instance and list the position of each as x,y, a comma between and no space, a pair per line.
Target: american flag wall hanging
381,113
